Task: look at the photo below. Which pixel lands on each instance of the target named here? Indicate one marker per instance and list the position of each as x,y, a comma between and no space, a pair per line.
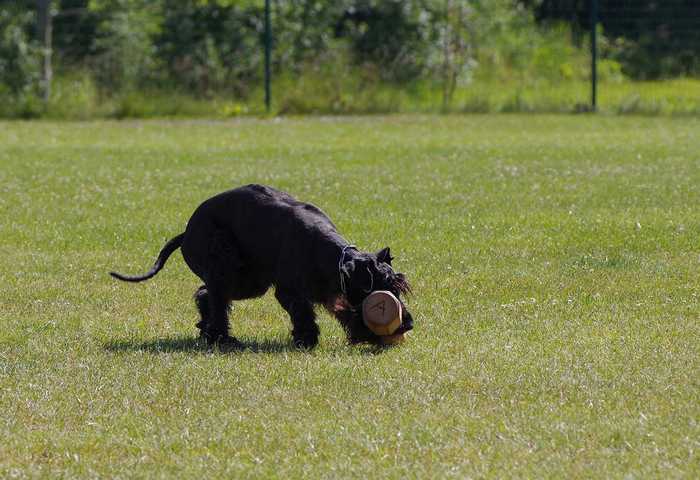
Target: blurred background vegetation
140,58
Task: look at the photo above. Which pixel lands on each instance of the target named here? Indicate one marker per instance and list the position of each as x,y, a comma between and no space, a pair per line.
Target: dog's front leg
301,312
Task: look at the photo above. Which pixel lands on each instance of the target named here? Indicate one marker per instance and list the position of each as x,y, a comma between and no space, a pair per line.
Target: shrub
125,56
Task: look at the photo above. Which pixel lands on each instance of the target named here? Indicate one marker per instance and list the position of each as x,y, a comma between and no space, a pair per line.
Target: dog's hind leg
201,299
301,312
215,330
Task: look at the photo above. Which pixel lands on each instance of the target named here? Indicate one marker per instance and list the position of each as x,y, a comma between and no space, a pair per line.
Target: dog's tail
167,250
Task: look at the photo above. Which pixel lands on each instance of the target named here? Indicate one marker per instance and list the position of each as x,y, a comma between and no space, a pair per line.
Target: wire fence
116,57
649,51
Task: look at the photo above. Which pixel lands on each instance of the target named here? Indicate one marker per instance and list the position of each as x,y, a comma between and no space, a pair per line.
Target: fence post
44,21
594,55
268,52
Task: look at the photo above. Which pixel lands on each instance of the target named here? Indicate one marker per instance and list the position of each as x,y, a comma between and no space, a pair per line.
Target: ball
381,312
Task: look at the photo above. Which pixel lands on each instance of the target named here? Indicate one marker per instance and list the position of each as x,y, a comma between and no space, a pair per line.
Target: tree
19,53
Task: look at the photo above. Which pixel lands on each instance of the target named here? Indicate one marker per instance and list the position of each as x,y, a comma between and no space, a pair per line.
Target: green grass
669,97
76,97
554,261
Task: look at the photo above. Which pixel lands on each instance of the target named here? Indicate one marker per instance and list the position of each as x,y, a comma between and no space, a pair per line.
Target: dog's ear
384,256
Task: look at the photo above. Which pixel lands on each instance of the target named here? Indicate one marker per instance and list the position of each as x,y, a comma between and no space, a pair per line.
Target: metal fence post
268,52
594,55
45,22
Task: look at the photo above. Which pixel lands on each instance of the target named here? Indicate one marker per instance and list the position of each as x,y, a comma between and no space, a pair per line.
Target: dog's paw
228,344
305,341
222,340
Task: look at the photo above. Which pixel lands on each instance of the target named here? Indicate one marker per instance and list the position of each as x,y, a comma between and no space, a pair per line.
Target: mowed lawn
555,263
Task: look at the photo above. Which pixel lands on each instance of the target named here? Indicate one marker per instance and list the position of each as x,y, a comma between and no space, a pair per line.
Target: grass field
554,261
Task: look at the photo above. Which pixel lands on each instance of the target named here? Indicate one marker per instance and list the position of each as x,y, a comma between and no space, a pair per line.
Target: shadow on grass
195,344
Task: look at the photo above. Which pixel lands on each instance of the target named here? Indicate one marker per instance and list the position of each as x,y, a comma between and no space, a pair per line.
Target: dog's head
366,273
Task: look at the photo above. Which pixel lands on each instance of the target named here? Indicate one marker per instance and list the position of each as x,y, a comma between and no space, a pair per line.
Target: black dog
245,240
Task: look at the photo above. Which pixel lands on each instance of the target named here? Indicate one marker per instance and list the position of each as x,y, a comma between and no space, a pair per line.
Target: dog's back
265,227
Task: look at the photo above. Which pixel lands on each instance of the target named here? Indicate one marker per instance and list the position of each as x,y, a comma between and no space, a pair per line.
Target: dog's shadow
195,345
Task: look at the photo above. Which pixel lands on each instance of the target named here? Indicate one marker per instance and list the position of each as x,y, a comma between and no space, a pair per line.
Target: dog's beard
400,284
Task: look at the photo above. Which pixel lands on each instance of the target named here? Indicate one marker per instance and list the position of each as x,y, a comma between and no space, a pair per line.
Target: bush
125,56
394,36
209,47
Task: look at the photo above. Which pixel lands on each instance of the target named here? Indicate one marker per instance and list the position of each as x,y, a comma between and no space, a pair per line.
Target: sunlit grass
668,97
554,261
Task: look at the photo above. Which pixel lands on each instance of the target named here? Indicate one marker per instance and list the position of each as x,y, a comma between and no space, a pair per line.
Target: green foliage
395,36
124,49
211,47
650,39
346,56
75,95
19,54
